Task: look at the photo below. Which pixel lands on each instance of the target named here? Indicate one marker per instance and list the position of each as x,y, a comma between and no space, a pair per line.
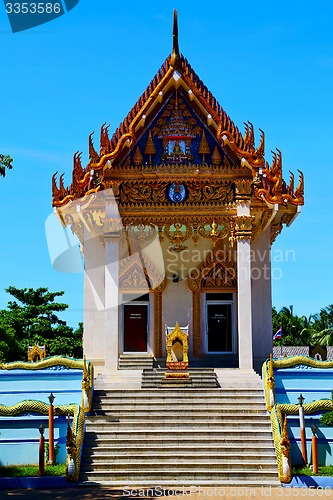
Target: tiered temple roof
141,145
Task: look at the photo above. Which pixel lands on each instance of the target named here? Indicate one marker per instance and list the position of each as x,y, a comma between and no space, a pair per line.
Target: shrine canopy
178,150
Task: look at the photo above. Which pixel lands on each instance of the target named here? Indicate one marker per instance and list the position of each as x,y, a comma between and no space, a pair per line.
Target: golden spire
175,56
137,157
203,147
150,147
216,157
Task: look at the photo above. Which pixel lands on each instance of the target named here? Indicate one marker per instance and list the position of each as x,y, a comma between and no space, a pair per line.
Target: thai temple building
176,213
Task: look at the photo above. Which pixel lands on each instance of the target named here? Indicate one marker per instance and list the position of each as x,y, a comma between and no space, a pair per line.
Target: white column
111,302
262,297
94,301
243,237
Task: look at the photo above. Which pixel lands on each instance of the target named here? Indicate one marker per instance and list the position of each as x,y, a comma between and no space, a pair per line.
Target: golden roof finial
175,56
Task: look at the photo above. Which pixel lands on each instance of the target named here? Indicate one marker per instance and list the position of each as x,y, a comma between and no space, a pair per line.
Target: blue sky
270,63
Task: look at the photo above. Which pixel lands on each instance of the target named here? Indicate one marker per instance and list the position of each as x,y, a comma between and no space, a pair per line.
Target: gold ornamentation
36,353
278,411
216,231
318,350
70,440
137,157
150,147
175,56
196,323
45,363
217,272
177,352
255,158
71,363
93,156
276,228
177,234
137,192
134,279
272,188
136,272
301,360
175,374
213,191
203,147
158,322
106,226
243,189
242,228
216,157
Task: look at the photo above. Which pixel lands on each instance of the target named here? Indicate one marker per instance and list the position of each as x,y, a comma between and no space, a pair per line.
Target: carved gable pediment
216,273
137,273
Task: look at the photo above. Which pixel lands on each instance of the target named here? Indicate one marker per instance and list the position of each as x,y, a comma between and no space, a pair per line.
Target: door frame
230,302
134,303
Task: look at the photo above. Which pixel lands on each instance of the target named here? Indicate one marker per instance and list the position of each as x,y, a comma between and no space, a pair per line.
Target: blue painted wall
314,384
19,436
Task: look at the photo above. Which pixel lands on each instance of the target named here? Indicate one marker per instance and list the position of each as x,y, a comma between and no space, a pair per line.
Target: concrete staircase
135,362
181,437
199,377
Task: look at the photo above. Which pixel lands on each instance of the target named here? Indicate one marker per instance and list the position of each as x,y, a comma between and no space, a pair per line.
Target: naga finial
175,46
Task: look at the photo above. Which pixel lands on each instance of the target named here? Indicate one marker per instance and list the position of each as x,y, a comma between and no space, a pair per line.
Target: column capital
241,228
108,229
243,189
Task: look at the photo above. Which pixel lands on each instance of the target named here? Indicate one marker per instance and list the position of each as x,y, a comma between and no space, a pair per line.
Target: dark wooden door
219,327
135,327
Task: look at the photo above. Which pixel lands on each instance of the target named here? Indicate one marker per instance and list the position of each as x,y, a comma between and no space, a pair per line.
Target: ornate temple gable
178,125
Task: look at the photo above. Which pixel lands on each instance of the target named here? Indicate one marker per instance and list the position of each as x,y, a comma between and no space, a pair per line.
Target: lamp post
41,459
51,398
314,448
302,428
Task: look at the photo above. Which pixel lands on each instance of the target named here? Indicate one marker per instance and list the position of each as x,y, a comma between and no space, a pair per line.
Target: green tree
32,318
323,326
5,163
296,330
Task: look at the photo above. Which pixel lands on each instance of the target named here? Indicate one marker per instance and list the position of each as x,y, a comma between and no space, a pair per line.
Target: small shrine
36,353
176,212
177,351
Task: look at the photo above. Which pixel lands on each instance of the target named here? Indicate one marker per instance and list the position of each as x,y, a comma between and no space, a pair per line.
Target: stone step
181,396
255,475
251,408
201,449
198,459
238,419
191,393
181,435
174,463
211,424
135,362
240,403
221,433
122,438
183,486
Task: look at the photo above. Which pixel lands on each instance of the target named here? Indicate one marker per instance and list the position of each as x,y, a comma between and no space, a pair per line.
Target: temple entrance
219,323
135,327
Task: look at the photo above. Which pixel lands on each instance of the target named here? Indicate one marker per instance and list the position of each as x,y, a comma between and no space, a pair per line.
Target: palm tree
323,326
